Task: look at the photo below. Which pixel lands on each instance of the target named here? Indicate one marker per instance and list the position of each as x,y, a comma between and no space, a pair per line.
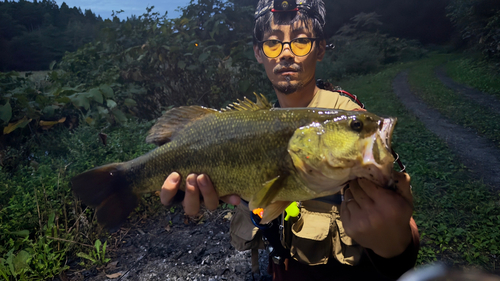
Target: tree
478,22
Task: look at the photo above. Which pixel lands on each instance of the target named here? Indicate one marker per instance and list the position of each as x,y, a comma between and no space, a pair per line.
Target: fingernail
174,178
202,180
191,180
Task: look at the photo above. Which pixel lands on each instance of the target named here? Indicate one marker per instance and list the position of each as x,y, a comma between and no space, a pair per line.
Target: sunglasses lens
301,46
272,48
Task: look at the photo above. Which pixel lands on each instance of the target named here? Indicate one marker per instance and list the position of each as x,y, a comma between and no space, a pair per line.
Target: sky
104,8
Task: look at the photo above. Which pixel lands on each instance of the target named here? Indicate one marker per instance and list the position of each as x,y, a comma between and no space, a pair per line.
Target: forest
73,86
33,34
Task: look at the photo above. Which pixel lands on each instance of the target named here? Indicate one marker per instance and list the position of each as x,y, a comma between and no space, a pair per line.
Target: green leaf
10,263
111,104
96,94
21,261
6,112
102,110
21,233
181,64
52,64
130,102
48,110
85,256
107,91
120,116
97,245
80,100
203,57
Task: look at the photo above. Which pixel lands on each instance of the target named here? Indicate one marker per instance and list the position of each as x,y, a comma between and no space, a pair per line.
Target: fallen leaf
48,124
111,265
114,275
103,137
228,216
167,228
12,126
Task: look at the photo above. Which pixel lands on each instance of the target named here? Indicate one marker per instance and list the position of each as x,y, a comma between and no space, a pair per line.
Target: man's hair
316,14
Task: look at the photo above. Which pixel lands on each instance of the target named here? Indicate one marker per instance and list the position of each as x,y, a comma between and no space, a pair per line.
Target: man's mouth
286,70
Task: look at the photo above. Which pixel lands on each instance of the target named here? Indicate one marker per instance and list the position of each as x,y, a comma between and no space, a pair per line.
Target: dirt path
479,154
484,99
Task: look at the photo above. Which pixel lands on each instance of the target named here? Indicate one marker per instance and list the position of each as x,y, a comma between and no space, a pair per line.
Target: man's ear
257,53
321,49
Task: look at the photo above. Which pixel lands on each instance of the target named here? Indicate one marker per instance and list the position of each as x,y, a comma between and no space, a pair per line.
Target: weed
96,256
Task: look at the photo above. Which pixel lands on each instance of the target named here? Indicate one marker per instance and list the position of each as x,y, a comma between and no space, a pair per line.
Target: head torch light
280,6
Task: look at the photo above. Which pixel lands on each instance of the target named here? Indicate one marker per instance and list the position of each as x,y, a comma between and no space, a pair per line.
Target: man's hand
378,218
195,185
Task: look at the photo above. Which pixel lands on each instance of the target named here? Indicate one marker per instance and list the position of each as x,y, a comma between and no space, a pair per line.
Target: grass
452,104
458,216
41,223
479,74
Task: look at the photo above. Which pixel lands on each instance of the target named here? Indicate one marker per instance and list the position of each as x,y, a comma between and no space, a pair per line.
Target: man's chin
287,88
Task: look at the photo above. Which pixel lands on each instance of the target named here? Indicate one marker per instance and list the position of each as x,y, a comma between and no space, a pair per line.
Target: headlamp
285,6
278,6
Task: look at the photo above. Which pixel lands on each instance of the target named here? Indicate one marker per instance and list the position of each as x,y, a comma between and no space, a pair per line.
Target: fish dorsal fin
265,196
260,103
173,121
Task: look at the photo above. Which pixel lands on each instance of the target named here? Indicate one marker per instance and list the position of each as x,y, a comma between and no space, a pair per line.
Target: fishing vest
317,234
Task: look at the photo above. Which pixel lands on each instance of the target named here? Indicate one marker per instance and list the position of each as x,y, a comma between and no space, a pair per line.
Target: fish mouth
377,162
387,128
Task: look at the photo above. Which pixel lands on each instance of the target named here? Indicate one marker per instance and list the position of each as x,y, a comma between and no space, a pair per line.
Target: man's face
288,72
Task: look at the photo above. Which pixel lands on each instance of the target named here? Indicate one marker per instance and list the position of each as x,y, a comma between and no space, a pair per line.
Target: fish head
353,144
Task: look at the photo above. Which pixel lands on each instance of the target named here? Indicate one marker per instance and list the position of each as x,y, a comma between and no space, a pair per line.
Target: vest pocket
312,238
244,235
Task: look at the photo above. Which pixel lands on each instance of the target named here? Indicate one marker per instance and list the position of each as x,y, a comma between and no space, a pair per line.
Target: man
371,236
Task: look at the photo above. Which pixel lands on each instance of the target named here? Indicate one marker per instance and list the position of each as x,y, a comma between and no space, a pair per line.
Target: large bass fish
268,156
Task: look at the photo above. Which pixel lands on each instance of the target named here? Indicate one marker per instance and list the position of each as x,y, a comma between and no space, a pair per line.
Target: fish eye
356,125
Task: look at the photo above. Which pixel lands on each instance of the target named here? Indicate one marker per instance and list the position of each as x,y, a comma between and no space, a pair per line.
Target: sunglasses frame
313,39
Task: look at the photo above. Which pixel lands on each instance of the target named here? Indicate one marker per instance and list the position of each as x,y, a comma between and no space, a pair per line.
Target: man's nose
287,51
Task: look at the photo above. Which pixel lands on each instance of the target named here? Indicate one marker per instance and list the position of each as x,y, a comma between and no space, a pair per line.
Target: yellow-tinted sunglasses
299,47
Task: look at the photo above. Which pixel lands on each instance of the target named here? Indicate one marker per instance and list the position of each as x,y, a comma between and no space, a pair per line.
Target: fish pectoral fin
274,210
265,196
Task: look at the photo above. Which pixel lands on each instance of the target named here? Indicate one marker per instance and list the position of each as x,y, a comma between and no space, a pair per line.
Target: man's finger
350,204
359,194
402,182
191,201
210,197
231,199
169,188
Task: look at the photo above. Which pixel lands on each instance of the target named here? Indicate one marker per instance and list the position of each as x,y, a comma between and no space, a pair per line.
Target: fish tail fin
107,189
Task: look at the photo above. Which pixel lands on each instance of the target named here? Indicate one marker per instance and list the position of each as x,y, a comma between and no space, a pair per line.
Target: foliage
38,213
461,110
479,74
478,22
38,258
360,48
139,67
98,255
